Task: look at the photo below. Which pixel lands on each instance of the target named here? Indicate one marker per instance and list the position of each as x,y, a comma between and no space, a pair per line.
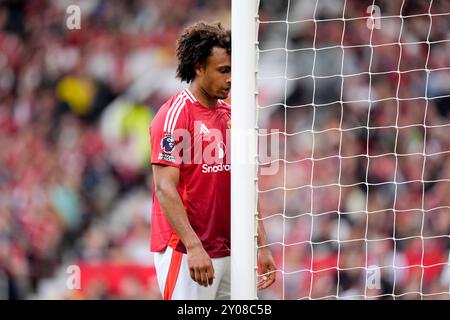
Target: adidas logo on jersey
204,129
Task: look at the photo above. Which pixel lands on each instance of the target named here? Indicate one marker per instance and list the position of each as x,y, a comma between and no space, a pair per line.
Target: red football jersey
194,138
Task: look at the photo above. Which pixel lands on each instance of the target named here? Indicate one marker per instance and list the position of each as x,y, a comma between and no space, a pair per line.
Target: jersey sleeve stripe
173,115
174,122
169,112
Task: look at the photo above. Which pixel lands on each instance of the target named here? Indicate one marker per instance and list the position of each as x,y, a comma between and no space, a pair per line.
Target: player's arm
265,259
166,181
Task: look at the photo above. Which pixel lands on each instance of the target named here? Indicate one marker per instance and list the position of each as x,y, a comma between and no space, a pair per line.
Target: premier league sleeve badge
167,143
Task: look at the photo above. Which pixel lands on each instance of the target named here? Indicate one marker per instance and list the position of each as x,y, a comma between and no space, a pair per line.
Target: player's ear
199,69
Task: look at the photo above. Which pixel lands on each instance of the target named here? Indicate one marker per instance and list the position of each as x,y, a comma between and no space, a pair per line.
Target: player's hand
267,268
200,266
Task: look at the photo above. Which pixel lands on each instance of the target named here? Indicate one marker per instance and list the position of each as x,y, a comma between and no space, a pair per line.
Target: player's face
216,77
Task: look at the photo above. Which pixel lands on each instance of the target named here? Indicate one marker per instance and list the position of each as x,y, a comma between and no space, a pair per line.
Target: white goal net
353,120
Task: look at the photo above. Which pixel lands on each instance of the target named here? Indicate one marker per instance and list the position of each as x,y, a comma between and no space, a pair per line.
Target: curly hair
195,45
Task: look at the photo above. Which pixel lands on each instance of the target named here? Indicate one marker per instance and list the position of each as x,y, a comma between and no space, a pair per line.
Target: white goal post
243,150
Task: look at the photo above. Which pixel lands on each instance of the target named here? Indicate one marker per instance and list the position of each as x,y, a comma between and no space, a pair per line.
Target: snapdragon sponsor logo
211,149
206,168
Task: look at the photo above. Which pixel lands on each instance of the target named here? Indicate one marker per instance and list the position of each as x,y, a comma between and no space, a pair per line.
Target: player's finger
210,274
268,280
198,276
192,272
261,281
204,278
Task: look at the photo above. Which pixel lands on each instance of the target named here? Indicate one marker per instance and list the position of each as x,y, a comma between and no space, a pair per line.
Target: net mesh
354,147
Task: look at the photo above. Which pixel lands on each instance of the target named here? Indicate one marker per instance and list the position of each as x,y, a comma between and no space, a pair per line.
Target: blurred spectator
73,191
366,182
75,182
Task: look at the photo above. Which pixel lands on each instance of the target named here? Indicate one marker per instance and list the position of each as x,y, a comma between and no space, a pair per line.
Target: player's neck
202,96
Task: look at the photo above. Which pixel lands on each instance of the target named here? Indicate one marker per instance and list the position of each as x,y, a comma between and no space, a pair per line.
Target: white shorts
175,282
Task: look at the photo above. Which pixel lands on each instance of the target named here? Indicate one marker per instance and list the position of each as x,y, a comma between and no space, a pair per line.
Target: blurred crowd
74,191
75,181
358,206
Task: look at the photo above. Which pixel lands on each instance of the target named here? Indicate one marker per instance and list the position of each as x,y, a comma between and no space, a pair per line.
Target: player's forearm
173,208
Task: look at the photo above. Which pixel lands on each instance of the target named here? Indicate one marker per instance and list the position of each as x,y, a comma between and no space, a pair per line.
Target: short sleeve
164,140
